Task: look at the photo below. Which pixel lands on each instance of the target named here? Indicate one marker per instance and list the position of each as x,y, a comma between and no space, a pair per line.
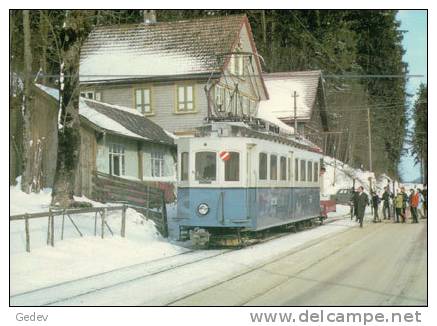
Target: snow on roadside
164,288
76,256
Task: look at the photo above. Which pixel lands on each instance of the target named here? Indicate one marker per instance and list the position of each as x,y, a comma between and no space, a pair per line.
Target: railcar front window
296,169
289,169
273,167
310,171
184,166
262,166
283,168
206,166
232,167
303,170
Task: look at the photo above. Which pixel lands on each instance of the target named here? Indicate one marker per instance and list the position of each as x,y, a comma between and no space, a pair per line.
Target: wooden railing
66,213
148,198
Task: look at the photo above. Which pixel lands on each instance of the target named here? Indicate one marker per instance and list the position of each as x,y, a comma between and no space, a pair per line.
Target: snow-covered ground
75,256
155,284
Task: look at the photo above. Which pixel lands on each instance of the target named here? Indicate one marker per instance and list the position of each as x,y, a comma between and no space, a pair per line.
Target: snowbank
75,256
339,175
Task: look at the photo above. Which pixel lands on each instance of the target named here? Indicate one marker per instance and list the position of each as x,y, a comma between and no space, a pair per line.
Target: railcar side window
316,172
289,169
206,166
273,167
184,166
303,165
262,166
296,169
283,165
310,171
232,167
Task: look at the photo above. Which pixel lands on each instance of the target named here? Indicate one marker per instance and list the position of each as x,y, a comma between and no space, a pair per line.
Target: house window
296,169
273,167
316,172
185,98
310,171
116,160
184,166
283,168
236,63
303,170
157,164
232,167
206,166
143,100
262,166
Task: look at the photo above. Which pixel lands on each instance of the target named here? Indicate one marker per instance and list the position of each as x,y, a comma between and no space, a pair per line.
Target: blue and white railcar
236,178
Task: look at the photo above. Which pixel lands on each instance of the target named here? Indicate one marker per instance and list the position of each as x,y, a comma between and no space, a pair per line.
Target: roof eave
112,132
165,78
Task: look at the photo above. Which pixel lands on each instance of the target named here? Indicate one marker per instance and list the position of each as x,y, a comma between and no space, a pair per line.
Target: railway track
65,291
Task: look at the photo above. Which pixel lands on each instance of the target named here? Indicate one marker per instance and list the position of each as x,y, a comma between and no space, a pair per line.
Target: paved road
381,264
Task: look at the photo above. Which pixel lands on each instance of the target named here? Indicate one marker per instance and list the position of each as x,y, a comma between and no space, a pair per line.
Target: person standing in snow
362,202
414,202
405,202
399,204
425,200
353,204
375,204
386,203
420,206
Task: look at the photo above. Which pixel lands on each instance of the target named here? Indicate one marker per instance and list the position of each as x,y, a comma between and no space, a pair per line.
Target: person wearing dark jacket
354,203
362,202
405,202
413,201
386,203
375,204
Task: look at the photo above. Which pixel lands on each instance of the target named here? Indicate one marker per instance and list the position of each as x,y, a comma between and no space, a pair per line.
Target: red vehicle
327,206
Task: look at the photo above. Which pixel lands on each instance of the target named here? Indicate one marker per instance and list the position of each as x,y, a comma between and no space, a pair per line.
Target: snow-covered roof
122,121
266,114
160,49
281,87
53,92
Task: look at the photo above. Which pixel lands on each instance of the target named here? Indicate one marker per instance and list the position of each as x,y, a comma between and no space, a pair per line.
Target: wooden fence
66,213
148,198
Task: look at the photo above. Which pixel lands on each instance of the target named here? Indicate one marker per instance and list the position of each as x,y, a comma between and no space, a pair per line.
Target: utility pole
295,113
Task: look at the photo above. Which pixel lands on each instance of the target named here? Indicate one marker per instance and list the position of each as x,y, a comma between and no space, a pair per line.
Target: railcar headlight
203,209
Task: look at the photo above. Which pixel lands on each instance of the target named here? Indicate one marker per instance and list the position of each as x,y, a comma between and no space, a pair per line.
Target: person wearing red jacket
414,202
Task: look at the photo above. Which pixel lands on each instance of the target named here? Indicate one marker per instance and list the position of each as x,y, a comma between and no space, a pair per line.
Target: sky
415,44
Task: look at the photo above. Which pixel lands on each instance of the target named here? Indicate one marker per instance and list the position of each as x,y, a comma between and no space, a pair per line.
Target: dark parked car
343,196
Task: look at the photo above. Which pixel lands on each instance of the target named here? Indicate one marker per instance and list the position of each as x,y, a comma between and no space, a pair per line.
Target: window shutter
168,165
240,65
232,64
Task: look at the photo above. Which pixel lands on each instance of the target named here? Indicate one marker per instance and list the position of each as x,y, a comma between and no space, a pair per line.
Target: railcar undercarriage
206,237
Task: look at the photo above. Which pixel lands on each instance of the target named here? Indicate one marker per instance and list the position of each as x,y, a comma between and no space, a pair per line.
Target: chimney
149,16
